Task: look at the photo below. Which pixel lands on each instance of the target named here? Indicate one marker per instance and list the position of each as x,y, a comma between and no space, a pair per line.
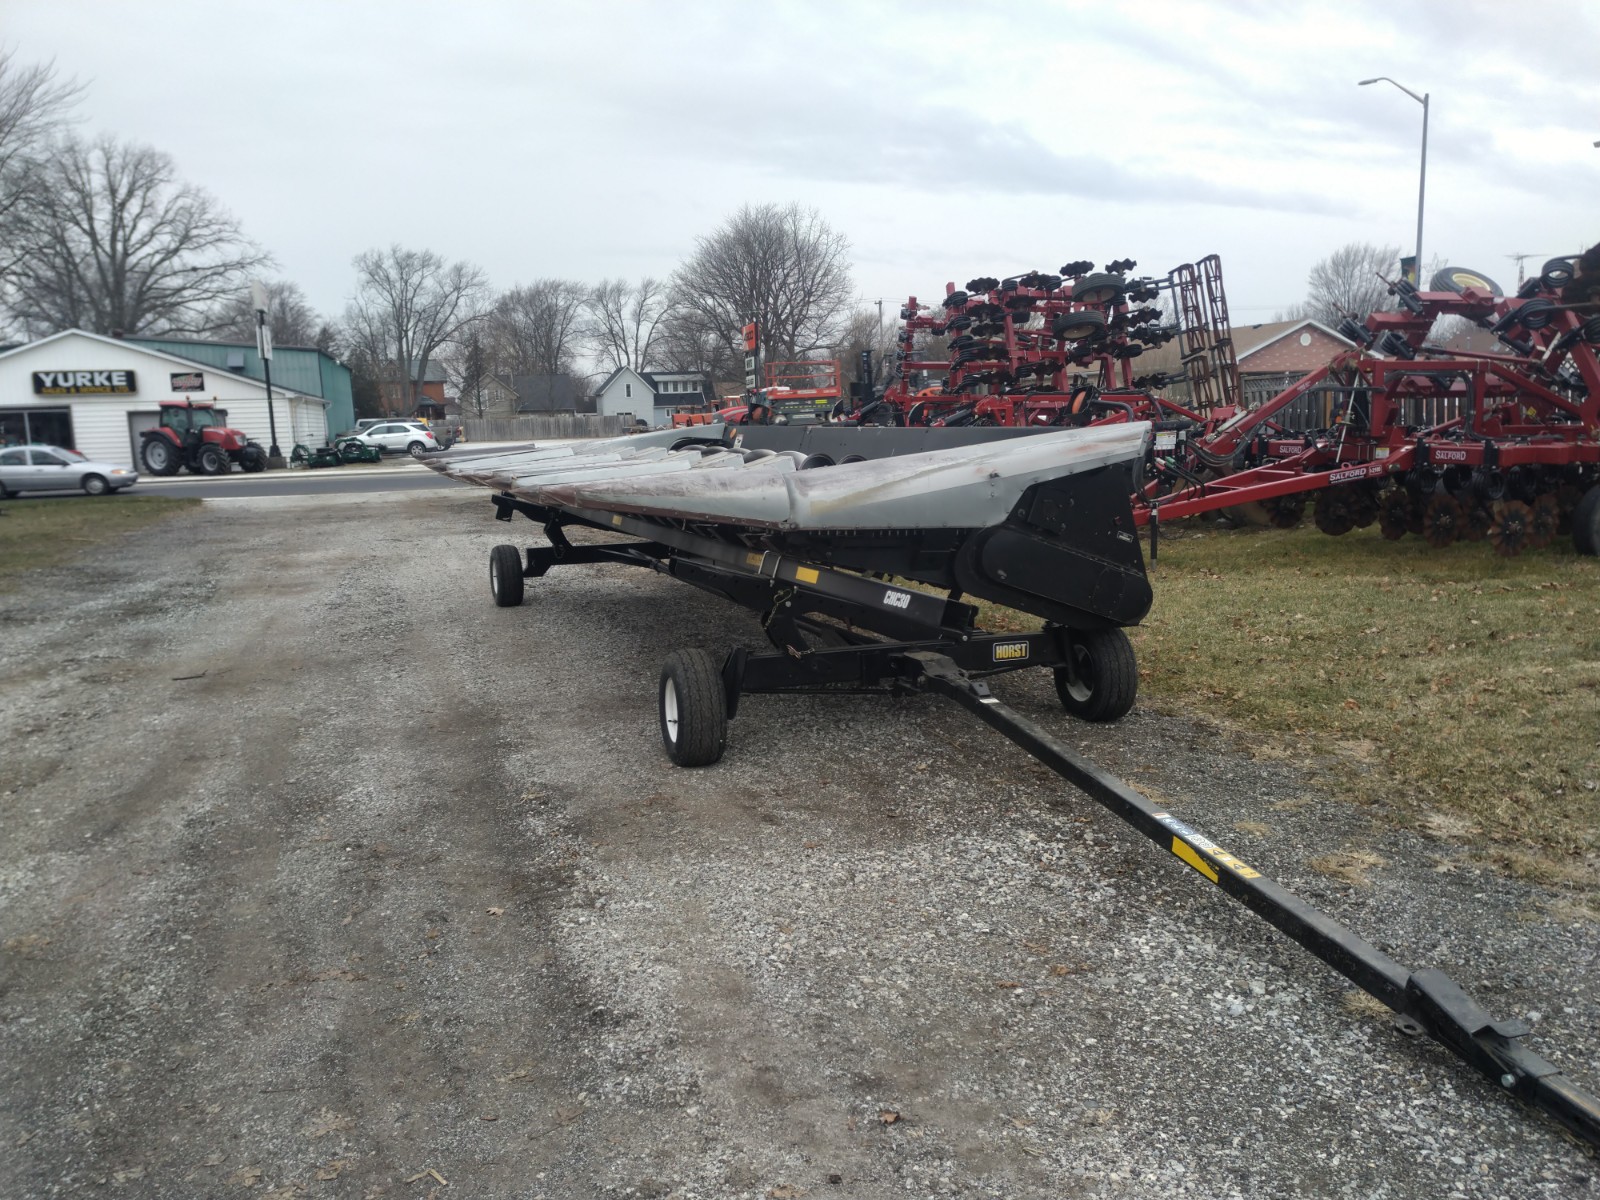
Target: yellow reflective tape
807,574
1191,856
1239,869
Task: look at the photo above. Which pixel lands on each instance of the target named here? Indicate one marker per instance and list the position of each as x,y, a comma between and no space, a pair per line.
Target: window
46,426
13,458
627,390
43,458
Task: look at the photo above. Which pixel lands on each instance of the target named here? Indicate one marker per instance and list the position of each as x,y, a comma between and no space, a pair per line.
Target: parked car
52,469
411,437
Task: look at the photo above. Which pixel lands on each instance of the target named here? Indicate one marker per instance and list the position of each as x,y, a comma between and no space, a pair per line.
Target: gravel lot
322,876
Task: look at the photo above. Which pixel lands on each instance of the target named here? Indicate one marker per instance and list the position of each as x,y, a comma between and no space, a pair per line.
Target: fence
544,425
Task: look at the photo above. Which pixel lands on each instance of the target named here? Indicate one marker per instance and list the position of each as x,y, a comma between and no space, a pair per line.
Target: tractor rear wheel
160,456
505,576
1101,677
693,708
1586,523
252,459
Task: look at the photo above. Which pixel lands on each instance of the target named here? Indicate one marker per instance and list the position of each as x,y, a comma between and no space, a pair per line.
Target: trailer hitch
1426,1001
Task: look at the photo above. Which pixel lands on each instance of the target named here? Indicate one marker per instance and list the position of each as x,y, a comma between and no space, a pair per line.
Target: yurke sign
83,383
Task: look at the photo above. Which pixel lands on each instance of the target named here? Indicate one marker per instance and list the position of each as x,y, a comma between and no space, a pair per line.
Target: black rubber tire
5,492
1459,279
812,461
212,460
416,449
160,456
252,459
1102,678
692,705
94,485
1078,326
505,576
1100,288
1586,523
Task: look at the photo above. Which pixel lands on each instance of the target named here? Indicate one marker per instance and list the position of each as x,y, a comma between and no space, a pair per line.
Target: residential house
496,396
652,396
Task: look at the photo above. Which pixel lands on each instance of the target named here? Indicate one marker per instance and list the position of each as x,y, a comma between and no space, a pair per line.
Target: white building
651,396
93,394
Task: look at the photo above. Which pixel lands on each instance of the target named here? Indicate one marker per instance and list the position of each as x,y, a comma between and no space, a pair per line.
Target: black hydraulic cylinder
1428,997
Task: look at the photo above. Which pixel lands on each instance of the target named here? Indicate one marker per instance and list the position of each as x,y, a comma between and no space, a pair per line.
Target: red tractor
192,435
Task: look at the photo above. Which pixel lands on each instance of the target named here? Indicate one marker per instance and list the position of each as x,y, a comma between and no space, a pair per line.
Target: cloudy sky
587,140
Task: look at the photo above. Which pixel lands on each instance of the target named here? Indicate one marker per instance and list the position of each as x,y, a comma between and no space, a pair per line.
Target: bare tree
467,363
536,327
289,315
34,105
408,304
689,341
785,267
625,321
111,240
1348,283
868,330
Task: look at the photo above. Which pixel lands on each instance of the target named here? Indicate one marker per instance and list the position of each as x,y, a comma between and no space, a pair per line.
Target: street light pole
1422,184
258,297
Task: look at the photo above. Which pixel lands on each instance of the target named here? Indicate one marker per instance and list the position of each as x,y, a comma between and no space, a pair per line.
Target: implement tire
505,576
1101,678
693,708
1586,523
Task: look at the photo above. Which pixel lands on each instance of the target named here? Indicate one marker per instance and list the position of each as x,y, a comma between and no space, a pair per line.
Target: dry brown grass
1459,689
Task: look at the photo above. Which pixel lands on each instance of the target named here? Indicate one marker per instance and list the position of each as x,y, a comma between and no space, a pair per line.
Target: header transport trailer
858,547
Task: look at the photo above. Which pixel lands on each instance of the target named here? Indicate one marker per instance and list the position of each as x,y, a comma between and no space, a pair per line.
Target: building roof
545,393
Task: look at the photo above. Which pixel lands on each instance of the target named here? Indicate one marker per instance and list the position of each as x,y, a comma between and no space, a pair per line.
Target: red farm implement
1443,444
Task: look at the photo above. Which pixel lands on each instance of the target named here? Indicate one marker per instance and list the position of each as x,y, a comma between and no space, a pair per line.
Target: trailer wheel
505,576
1586,523
693,708
1101,677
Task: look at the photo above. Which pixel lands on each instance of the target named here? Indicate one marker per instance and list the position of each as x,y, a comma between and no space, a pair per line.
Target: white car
52,469
392,437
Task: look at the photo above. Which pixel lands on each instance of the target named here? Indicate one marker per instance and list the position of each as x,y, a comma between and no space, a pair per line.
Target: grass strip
1459,689
45,532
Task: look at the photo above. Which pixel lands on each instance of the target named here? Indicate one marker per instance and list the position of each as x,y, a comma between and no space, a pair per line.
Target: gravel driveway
322,876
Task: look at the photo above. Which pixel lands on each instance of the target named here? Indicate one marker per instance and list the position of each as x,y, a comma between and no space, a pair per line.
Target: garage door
138,421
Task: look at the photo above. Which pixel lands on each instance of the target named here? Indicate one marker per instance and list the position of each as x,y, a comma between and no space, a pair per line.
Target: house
430,398
494,396
652,396
1274,355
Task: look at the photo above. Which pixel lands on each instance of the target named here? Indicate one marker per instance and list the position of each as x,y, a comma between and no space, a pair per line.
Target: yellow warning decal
807,574
616,519
1239,869
753,560
1189,855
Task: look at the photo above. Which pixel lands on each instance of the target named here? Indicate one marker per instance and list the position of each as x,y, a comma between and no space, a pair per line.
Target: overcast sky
947,140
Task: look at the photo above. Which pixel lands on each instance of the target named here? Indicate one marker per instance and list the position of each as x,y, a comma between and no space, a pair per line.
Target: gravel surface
322,876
